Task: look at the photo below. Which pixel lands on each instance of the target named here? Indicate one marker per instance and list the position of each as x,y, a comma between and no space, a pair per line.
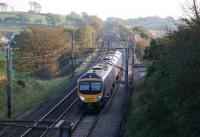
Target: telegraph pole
9,81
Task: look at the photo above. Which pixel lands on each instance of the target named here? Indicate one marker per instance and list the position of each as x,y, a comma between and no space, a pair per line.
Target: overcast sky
106,8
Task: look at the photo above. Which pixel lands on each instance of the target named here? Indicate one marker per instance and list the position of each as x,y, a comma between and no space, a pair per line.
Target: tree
42,47
96,23
3,7
52,19
35,7
86,36
23,18
169,105
75,19
192,10
11,20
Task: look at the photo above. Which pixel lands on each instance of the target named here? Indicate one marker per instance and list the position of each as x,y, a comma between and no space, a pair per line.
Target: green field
32,17
31,94
5,15
13,28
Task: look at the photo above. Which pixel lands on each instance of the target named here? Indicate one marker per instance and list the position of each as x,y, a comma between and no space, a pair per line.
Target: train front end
90,91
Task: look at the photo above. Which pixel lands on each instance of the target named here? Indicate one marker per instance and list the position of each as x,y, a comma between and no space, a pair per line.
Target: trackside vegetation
168,104
33,91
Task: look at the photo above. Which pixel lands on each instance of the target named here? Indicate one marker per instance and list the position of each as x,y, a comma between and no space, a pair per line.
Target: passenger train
97,84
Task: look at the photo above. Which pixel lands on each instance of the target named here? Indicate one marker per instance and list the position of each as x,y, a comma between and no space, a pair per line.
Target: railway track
55,114
46,122
42,126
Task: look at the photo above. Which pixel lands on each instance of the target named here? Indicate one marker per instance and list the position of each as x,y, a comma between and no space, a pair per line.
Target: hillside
156,24
30,18
17,21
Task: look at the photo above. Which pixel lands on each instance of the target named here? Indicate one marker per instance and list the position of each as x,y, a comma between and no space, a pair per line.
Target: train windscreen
87,87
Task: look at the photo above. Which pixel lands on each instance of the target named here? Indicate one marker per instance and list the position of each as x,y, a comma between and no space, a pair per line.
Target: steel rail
41,119
51,126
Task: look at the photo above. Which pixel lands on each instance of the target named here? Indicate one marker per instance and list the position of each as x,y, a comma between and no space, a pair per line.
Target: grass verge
33,92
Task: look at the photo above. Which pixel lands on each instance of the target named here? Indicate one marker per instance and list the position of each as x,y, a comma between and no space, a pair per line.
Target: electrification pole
134,46
9,81
72,54
92,46
126,73
98,41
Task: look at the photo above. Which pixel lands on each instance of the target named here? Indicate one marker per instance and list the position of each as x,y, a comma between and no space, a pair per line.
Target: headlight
99,98
81,98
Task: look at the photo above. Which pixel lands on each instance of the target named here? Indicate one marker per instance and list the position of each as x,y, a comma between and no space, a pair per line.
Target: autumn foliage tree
40,48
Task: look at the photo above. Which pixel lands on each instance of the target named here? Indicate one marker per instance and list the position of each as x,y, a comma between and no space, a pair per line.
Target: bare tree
192,10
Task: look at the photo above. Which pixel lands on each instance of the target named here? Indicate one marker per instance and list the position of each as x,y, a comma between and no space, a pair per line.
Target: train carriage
98,83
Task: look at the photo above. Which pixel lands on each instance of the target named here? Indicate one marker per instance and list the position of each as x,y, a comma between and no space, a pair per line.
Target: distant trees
84,19
23,19
75,19
35,7
3,7
96,23
52,19
10,20
20,18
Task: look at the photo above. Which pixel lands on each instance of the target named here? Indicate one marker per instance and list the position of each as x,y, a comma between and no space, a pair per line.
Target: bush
21,83
169,104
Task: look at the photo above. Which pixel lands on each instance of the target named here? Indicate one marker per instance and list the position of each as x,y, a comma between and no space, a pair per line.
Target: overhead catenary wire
42,50
51,50
36,59
43,61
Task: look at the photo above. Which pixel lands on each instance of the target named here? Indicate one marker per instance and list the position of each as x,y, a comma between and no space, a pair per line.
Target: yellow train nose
90,98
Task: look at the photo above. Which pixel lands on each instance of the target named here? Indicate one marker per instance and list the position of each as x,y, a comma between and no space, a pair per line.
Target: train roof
90,75
101,69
